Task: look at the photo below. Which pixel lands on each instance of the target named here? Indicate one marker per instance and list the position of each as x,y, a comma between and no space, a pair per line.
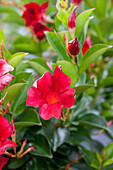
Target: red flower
74,47
34,12
3,161
76,2
38,30
51,93
5,132
5,77
86,46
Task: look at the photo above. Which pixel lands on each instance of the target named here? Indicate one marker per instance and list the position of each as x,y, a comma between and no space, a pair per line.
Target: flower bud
76,2
72,22
74,47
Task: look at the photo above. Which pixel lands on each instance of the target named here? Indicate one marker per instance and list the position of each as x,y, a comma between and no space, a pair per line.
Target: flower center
53,98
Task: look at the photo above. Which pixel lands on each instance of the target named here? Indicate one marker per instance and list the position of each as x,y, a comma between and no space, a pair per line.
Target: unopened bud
13,135
76,2
72,22
109,123
7,107
74,47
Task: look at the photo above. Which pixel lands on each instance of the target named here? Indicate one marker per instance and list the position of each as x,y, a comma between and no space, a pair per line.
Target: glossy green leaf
16,163
19,103
58,46
108,81
39,65
42,147
12,91
28,118
16,58
92,55
93,120
108,152
81,88
81,20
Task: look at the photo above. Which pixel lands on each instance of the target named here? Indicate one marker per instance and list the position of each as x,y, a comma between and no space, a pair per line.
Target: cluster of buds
73,46
35,16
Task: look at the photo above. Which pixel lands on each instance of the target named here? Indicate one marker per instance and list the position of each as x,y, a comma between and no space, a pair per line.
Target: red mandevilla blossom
5,132
76,2
86,46
38,30
74,46
3,161
5,77
34,12
51,93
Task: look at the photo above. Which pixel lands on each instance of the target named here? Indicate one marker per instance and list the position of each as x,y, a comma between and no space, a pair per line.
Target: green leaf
12,91
108,152
19,103
81,20
81,88
108,162
22,77
60,137
28,118
57,43
39,163
108,81
92,55
16,58
14,18
2,37
94,121
41,147
39,65
71,71
16,163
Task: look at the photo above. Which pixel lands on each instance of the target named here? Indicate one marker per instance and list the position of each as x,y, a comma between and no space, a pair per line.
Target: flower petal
3,161
5,80
6,144
32,13
44,6
61,81
5,67
44,84
67,98
34,97
47,111
5,128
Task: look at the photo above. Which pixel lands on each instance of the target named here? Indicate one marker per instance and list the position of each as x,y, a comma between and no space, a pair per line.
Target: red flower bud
76,2
72,22
74,47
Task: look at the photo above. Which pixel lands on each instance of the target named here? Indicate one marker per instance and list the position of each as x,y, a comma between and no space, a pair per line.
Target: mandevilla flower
74,46
34,12
86,46
3,161
76,2
38,30
5,77
51,93
5,132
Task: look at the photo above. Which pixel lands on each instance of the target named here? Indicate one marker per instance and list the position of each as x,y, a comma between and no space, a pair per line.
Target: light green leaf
16,58
92,55
12,91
